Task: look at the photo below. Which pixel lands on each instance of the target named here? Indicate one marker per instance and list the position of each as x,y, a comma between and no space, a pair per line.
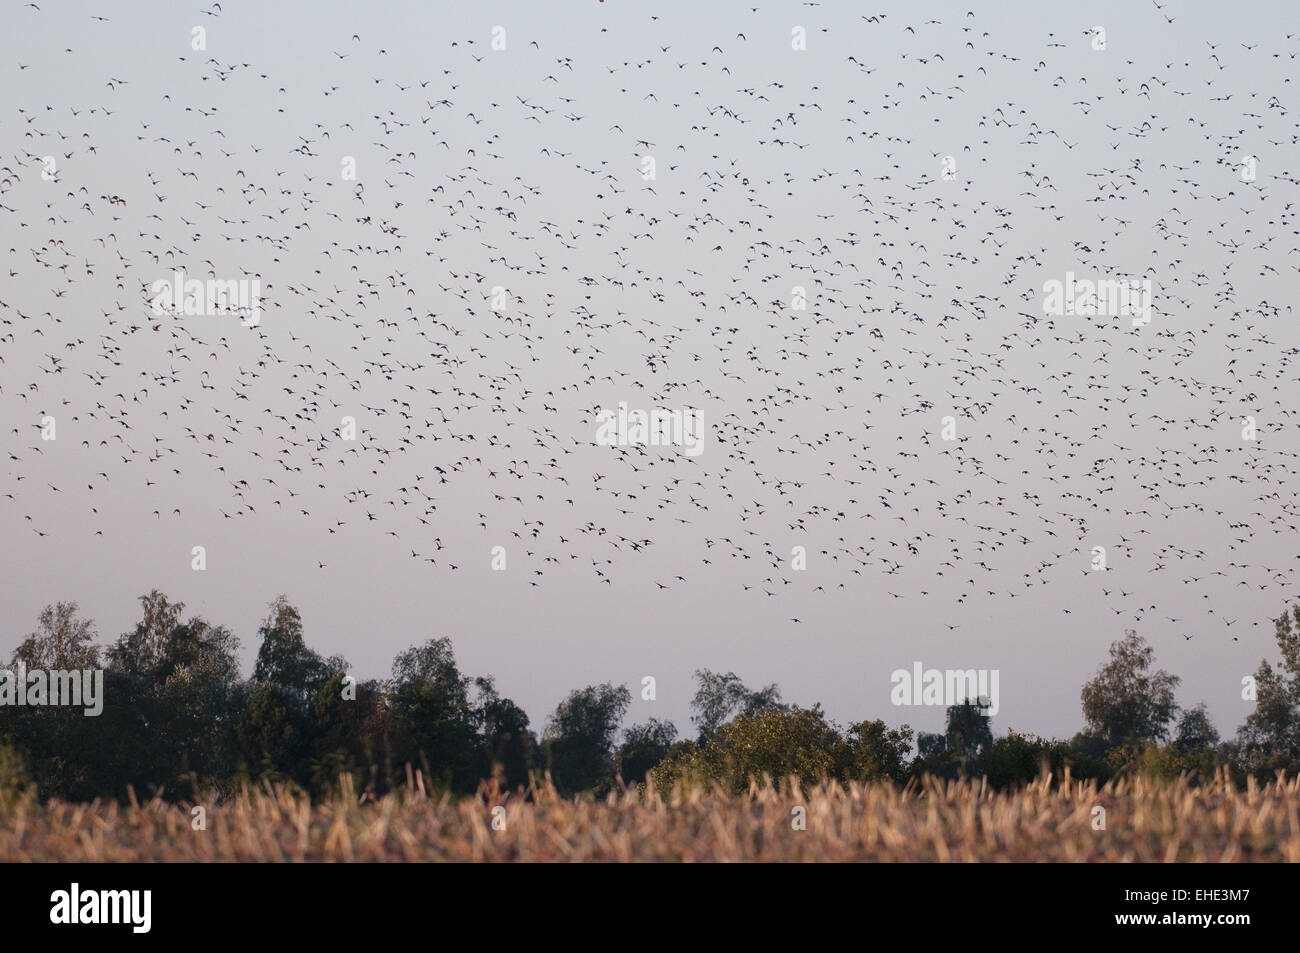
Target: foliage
434,718
15,780
1195,731
1125,702
1168,762
508,744
179,718
719,697
580,737
877,752
776,743
643,747
1270,739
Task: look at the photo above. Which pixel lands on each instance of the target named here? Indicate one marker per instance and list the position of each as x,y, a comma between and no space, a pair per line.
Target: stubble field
936,821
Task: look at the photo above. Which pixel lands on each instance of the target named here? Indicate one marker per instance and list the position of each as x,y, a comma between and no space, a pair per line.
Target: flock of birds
502,266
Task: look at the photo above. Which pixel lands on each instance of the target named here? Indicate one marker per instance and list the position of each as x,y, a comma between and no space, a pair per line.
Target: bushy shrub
777,744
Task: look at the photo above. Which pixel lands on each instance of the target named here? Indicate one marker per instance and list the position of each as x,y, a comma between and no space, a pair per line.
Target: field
947,822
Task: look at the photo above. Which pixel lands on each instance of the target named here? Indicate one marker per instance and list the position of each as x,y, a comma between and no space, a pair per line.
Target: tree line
180,719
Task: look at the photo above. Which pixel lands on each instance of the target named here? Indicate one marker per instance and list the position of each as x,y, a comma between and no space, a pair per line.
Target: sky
776,168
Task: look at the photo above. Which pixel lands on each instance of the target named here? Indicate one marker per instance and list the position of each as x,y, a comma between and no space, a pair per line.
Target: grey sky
775,168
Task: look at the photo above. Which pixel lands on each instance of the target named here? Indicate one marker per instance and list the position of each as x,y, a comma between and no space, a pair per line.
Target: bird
837,342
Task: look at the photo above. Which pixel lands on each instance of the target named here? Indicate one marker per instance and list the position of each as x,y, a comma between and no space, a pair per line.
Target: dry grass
931,822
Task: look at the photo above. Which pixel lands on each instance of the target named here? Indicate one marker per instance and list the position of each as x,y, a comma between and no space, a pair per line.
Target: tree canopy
181,716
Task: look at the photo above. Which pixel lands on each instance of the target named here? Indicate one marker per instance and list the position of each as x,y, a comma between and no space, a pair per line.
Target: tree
348,732
580,737
877,752
15,781
173,687
1195,731
62,640
1017,759
719,697
776,743
933,757
1270,738
1126,702
278,728
142,652
644,746
930,744
270,740
197,696
284,660
435,722
507,742
65,745
968,732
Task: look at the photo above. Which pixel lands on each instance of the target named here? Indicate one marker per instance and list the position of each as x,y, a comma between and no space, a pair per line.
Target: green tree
270,740
279,725
15,779
877,752
170,696
144,651
776,743
63,746
580,737
1019,759
1126,702
284,659
62,640
507,742
933,756
719,697
1195,731
1269,740
349,734
968,731
644,746
435,723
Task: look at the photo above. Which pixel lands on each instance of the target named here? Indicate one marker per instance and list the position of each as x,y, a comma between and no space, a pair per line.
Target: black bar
365,902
